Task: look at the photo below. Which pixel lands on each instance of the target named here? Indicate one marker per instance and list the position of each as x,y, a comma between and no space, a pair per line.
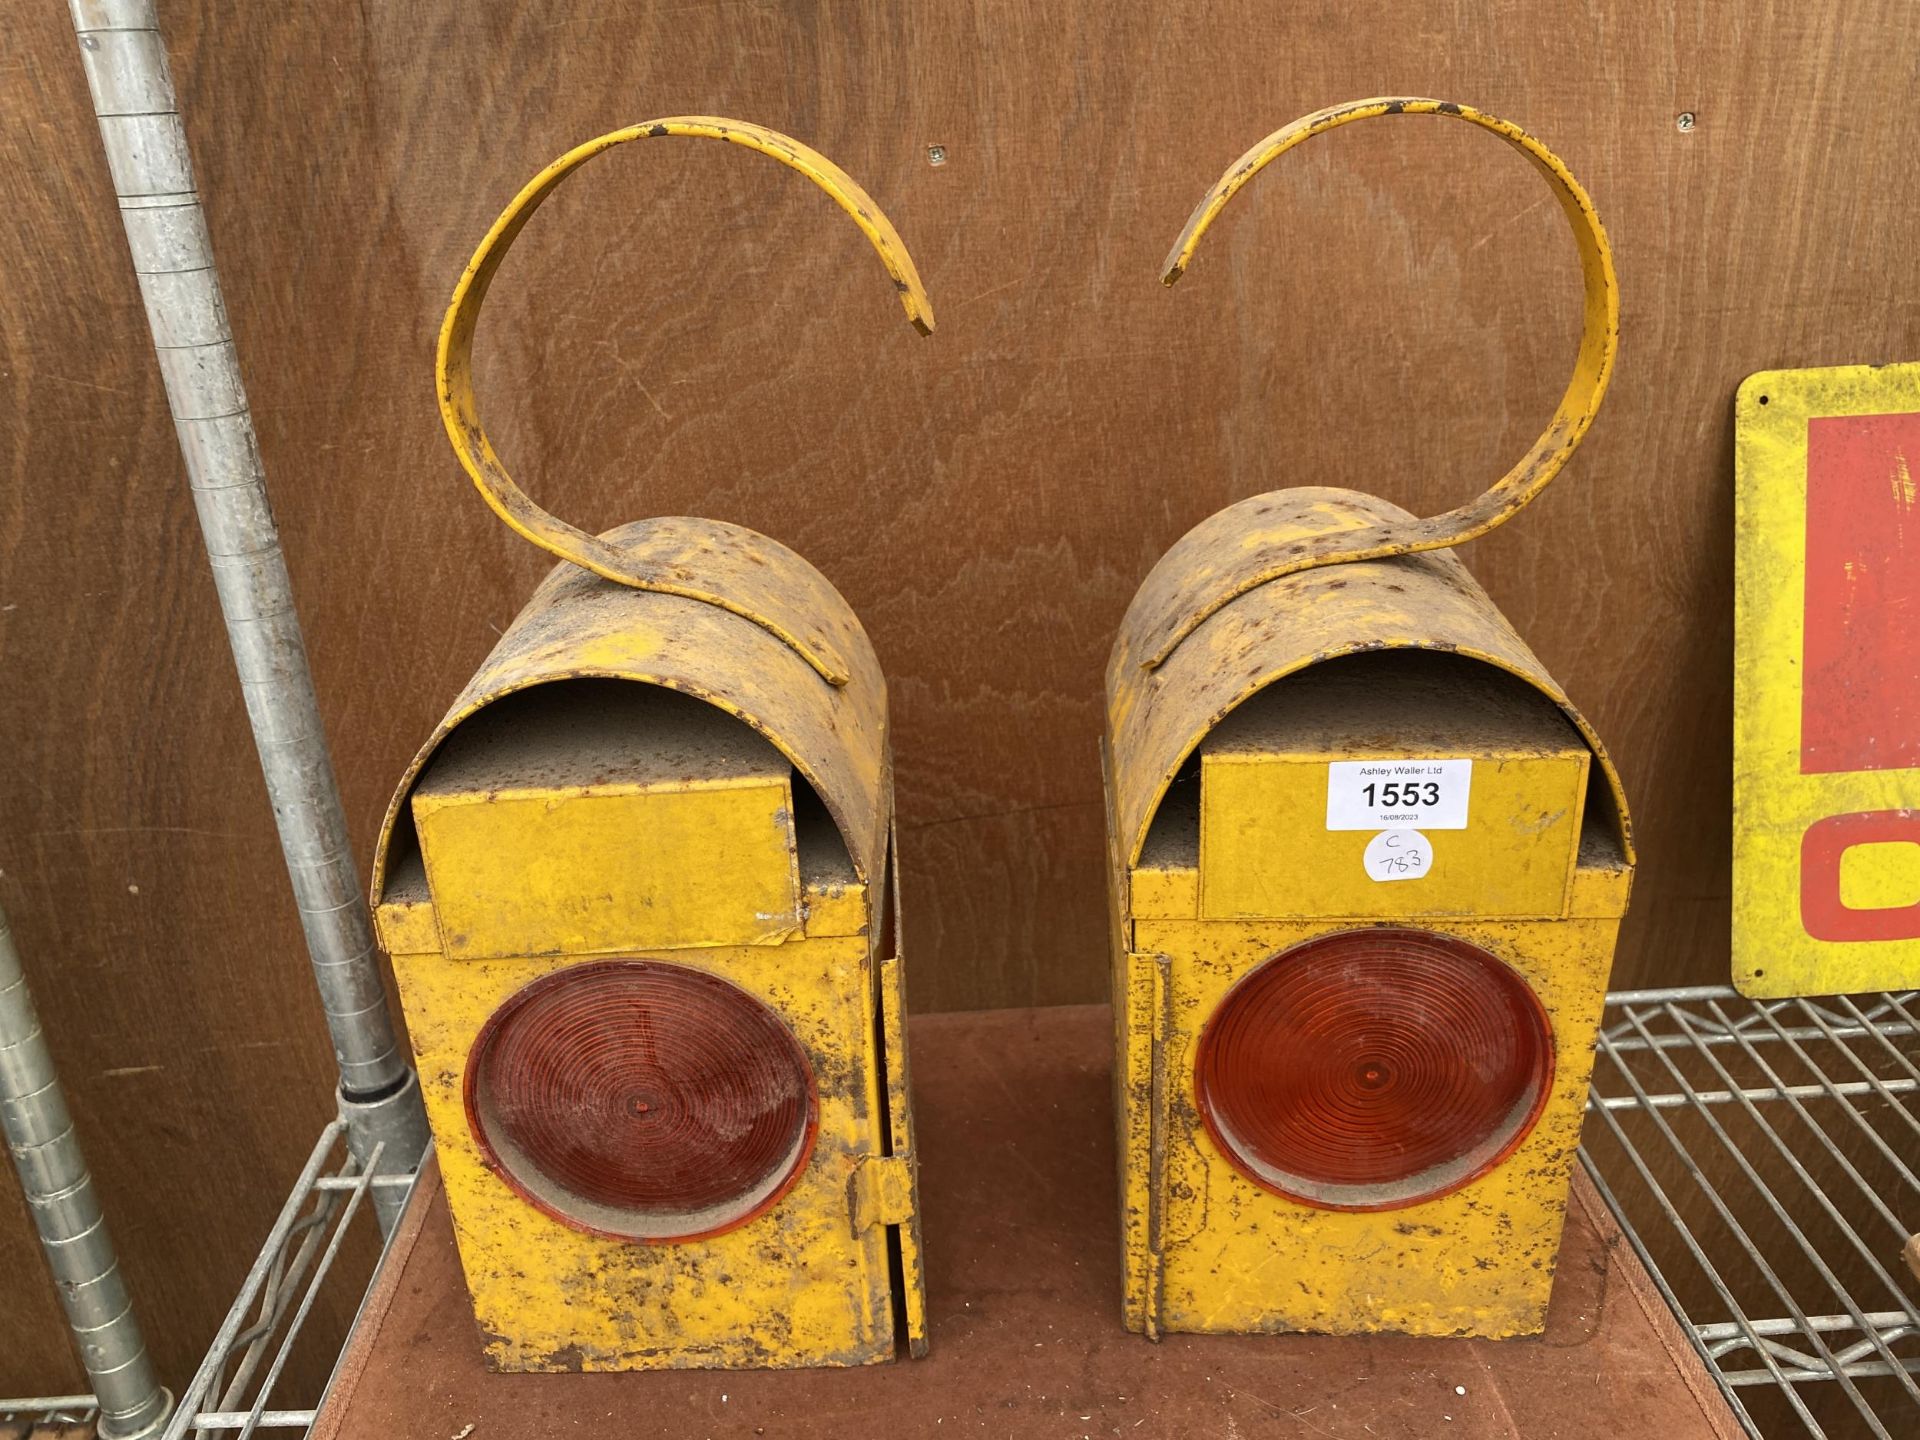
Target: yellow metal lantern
1367,867
636,888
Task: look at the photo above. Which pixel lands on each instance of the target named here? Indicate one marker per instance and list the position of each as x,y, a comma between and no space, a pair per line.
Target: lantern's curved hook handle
454,361
1598,341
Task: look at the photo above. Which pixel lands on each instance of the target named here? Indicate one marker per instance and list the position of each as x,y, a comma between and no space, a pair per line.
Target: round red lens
641,1100
1374,1069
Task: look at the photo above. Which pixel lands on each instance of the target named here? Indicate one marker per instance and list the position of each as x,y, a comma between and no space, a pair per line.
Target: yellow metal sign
1826,787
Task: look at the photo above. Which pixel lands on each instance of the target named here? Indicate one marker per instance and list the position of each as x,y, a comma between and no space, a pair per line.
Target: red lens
641,1100
1374,1068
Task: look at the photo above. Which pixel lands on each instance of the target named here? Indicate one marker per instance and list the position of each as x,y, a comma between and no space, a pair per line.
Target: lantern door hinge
882,1191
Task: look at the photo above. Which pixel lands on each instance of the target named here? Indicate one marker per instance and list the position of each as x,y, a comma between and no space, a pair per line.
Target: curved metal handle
1598,341
454,362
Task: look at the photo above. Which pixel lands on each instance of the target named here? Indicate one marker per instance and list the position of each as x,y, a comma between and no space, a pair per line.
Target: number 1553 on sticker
1398,794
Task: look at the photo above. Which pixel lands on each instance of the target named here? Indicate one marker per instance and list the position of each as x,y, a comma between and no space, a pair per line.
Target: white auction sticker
1398,855
1398,794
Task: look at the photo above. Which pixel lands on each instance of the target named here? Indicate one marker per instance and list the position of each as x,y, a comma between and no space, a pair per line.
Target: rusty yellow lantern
639,890
1367,866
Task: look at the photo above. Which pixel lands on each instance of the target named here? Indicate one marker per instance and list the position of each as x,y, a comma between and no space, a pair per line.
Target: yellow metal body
510,857
1231,864
1288,632
1777,799
1263,792
677,753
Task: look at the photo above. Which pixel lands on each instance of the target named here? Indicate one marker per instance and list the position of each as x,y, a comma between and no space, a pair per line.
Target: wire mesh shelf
49,1417
231,1393
1760,1156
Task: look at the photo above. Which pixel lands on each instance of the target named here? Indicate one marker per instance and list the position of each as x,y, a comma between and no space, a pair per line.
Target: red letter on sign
1860,697
1822,912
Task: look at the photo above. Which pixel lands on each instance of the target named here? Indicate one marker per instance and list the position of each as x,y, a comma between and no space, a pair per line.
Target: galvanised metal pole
59,1191
133,98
